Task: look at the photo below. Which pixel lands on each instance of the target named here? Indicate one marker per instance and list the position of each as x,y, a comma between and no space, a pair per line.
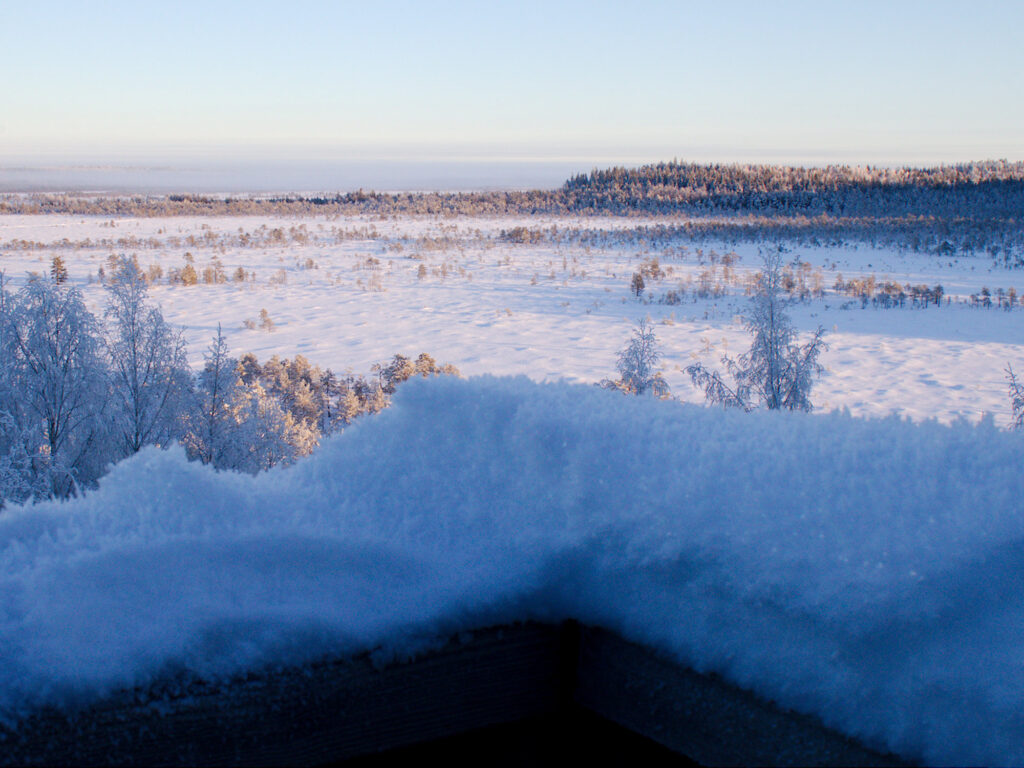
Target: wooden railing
339,709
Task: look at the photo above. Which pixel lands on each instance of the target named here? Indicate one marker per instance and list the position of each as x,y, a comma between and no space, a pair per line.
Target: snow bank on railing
871,572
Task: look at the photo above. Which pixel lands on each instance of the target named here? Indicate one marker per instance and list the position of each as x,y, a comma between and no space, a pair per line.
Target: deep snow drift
866,571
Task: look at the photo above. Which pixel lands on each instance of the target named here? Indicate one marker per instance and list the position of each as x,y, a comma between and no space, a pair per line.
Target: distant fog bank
279,176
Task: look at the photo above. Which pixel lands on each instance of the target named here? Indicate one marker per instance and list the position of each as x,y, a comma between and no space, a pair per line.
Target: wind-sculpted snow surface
866,571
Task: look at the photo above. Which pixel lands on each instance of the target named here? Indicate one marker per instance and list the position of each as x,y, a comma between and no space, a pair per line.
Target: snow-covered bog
349,292
867,571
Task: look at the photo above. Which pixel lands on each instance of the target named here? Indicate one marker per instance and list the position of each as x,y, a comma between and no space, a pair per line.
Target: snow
865,570
853,563
497,309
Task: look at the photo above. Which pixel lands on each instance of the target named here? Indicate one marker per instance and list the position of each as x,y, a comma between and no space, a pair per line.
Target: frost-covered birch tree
264,432
777,372
212,421
58,373
239,425
151,380
18,441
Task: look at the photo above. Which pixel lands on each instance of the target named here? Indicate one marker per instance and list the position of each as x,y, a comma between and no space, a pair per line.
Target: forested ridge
971,208
988,189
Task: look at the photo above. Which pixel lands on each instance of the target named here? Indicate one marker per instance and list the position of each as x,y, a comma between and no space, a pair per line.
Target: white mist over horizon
328,169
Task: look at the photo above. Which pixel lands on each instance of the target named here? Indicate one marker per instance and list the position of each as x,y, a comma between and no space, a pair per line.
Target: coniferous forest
969,207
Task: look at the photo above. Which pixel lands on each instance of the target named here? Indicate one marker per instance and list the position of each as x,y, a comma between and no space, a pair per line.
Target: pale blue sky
622,81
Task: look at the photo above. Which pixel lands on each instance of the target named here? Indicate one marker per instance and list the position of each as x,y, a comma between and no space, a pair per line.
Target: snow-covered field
349,292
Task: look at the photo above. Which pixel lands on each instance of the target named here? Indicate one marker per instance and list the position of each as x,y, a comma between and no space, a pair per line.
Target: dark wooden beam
337,709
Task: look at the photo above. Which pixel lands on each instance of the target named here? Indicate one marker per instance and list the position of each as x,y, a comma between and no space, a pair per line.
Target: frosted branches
776,372
636,365
1016,392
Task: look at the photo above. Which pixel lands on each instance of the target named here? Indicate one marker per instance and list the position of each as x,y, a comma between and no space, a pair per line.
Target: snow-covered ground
349,292
867,571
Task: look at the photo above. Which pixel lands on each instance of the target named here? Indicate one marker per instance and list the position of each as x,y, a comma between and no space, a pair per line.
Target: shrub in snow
266,323
776,372
1016,399
402,368
636,365
636,284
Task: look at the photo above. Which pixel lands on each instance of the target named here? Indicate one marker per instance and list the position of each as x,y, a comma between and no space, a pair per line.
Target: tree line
987,189
967,208
79,393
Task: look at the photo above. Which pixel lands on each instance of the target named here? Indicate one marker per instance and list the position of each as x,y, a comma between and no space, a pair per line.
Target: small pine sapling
58,270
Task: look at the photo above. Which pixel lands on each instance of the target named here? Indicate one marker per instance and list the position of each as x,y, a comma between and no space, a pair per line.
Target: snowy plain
861,566
349,292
